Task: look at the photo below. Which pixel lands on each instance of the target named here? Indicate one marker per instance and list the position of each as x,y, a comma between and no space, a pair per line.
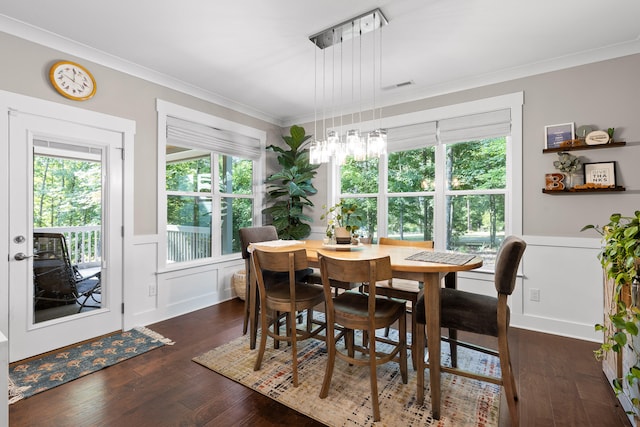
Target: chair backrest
507,261
250,235
354,271
428,244
52,269
281,261
278,262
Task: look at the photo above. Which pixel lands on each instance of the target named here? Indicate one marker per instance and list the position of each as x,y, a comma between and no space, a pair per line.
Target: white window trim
164,109
513,189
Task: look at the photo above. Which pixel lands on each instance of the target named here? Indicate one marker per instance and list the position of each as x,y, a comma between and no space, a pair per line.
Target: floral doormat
32,376
465,401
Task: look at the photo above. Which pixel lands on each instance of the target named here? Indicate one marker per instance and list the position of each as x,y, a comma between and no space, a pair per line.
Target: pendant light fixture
353,142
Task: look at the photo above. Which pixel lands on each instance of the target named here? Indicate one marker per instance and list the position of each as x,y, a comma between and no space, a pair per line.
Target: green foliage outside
476,221
192,207
289,189
66,193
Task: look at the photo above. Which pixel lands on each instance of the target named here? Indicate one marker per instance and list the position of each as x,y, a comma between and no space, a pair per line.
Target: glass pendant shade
315,157
333,142
376,143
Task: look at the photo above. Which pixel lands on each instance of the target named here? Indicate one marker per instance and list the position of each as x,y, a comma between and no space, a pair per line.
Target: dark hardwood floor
559,382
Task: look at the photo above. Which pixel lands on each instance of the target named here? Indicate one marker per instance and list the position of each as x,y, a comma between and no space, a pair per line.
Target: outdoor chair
55,279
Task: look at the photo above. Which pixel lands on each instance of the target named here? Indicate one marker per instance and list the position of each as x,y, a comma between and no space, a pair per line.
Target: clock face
72,80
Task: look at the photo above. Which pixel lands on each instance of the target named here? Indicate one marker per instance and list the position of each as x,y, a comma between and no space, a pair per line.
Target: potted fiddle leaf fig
289,189
620,259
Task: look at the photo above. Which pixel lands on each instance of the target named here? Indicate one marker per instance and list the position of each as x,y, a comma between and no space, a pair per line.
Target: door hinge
122,308
122,231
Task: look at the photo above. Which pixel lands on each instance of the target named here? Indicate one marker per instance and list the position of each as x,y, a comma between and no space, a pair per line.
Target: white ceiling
255,55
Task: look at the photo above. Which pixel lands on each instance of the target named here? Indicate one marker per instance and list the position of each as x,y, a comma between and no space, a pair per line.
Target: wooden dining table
430,273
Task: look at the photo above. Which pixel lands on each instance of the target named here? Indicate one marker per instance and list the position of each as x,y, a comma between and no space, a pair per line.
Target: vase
343,237
568,181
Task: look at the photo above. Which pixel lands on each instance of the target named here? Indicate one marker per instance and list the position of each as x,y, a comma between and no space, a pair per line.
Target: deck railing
85,250
186,243
84,243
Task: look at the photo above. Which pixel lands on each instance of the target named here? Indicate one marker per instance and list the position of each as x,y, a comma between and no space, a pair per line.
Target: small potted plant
568,164
342,222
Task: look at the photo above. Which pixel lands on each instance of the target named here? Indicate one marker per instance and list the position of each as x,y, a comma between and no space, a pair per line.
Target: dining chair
287,296
409,290
353,310
250,235
479,314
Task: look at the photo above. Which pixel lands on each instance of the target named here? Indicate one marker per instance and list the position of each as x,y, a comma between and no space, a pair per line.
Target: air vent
398,85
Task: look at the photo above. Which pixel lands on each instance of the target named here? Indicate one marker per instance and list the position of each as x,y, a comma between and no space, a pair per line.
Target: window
211,176
450,179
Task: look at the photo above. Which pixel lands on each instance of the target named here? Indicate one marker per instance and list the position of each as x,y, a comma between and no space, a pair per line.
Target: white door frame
11,102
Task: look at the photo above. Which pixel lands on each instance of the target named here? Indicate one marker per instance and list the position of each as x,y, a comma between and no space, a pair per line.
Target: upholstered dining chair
288,296
250,235
479,314
353,310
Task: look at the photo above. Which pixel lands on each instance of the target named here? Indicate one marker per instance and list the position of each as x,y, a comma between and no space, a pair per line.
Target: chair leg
331,358
291,320
453,347
508,380
373,376
402,323
263,339
419,336
245,324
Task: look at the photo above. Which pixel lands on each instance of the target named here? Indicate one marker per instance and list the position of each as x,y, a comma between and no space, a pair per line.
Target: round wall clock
72,80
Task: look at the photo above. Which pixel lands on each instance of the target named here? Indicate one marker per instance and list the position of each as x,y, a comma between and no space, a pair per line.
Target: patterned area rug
32,376
465,402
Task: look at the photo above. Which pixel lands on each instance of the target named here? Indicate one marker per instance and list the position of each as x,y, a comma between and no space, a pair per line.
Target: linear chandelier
337,143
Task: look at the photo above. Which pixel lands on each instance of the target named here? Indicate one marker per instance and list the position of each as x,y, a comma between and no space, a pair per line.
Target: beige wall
118,94
604,94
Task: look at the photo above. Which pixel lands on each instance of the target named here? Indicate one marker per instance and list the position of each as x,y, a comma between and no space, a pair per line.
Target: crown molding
411,93
54,41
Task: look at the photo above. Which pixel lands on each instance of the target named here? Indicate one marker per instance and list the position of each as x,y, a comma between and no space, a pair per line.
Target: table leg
432,293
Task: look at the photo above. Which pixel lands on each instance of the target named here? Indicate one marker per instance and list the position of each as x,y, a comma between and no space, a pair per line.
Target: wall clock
72,80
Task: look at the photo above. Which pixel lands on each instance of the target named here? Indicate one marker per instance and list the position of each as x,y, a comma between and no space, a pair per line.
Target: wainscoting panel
566,276
176,292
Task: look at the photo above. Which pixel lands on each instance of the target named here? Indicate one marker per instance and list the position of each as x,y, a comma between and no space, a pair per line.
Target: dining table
430,273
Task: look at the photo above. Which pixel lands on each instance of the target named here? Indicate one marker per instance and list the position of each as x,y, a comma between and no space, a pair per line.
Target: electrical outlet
534,295
153,290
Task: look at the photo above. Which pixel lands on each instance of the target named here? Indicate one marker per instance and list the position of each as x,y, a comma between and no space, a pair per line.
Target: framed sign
602,174
555,135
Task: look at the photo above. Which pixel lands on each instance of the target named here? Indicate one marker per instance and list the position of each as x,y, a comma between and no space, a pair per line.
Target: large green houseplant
289,189
619,258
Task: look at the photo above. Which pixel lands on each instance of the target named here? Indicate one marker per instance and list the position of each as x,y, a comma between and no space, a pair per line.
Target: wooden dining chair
409,290
479,314
354,310
288,296
249,235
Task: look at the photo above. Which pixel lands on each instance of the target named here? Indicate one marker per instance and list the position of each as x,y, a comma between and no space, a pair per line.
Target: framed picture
555,135
602,174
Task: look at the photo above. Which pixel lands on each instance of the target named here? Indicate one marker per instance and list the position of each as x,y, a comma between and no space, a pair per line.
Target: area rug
32,376
465,402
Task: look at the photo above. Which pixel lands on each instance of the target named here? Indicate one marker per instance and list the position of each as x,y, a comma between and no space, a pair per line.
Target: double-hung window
454,179
212,177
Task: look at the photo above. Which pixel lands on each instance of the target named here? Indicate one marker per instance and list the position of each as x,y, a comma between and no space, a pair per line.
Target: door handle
20,256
